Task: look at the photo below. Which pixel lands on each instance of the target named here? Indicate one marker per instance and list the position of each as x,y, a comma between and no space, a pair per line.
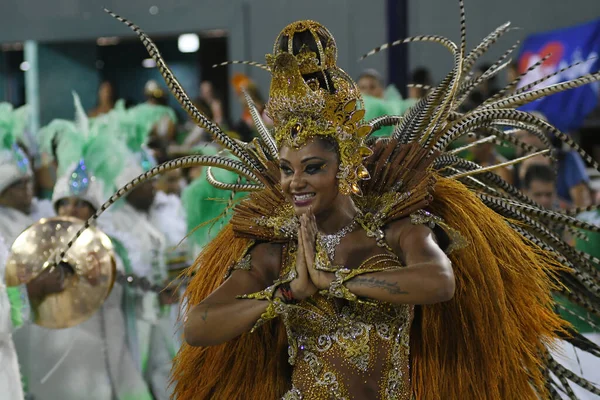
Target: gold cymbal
91,260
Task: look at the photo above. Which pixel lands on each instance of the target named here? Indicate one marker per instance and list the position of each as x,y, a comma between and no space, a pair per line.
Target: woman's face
74,207
308,177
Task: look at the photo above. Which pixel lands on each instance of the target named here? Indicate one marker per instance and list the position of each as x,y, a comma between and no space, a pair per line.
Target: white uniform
10,377
168,215
12,223
91,359
150,263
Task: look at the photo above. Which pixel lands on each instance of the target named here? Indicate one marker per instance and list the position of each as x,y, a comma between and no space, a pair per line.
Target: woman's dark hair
329,144
305,39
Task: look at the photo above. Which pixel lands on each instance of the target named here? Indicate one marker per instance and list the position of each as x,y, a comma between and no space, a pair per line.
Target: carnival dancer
364,257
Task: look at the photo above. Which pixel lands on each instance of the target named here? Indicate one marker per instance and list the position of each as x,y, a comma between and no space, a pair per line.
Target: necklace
330,242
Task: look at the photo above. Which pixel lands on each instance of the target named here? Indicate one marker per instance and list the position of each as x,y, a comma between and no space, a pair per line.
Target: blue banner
567,46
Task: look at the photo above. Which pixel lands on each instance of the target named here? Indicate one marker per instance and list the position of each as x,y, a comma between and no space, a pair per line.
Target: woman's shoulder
267,256
267,250
397,227
400,232
394,231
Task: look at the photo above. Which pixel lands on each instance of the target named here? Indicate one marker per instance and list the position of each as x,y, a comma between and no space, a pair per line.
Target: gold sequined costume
489,342
349,350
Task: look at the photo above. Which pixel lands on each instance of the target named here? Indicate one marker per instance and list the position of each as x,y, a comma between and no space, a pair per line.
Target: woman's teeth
302,197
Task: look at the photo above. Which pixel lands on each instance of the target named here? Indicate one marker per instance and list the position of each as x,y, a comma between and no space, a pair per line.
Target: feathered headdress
311,97
14,164
133,127
89,157
490,341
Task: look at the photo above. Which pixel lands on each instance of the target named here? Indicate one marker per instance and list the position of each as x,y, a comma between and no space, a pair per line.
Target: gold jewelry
302,110
337,287
330,242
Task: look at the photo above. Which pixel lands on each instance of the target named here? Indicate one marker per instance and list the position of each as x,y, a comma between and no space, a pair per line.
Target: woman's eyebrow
312,158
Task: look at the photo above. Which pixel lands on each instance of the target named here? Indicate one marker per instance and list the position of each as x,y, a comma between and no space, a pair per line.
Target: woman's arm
222,316
427,278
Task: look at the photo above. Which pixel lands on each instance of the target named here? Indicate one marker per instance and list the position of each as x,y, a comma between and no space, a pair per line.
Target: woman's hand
321,279
302,287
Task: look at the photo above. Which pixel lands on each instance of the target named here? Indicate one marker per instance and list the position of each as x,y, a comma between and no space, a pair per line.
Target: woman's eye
285,170
313,169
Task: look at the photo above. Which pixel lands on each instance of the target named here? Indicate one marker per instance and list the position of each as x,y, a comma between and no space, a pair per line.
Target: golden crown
310,96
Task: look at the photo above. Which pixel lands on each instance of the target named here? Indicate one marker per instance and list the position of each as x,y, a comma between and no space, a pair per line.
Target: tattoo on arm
390,287
204,314
203,309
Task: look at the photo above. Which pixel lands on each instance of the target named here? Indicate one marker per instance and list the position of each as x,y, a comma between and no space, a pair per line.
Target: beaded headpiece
310,97
14,164
88,155
406,168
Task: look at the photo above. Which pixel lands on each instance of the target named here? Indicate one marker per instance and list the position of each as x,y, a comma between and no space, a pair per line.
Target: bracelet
287,294
338,289
272,311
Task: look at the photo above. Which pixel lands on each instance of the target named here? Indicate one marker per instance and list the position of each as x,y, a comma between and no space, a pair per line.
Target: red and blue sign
566,110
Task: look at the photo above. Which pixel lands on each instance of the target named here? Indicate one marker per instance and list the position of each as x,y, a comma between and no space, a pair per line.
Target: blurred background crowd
50,49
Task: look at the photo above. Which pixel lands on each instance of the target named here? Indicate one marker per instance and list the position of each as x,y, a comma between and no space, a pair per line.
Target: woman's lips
303,199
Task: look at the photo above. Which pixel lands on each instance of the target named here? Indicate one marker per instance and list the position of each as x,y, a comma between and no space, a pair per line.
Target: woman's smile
303,199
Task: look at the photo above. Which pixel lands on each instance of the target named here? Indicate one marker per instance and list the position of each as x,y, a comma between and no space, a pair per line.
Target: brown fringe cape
486,343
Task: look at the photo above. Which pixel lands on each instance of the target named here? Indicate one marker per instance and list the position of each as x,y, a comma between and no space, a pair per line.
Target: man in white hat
97,359
18,208
16,214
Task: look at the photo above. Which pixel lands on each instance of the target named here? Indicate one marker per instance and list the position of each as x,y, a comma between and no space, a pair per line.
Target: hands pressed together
309,279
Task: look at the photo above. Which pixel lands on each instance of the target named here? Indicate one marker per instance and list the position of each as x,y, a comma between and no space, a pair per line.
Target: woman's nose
298,182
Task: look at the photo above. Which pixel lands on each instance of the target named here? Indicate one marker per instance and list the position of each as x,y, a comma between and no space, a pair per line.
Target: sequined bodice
348,350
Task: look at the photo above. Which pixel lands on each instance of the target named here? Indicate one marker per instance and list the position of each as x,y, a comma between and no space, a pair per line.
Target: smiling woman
333,259
308,177
378,269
